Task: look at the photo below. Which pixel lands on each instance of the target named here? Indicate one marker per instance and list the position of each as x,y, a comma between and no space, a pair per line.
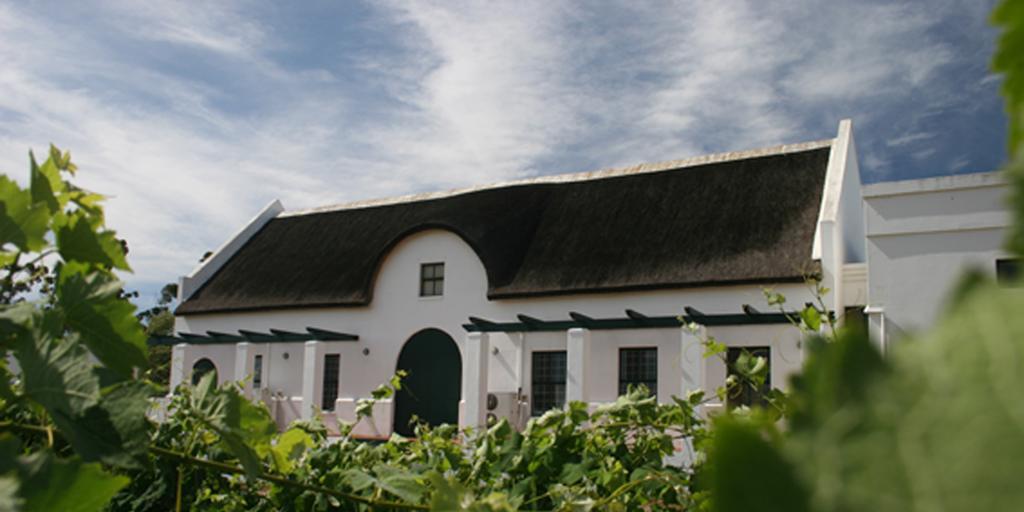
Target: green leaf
57,372
50,484
46,184
713,348
7,257
748,473
290,447
396,481
811,317
446,495
573,473
120,433
358,479
23,222
79,240
107,323
399,482
244,428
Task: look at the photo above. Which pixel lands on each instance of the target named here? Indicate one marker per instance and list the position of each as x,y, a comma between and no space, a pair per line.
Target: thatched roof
742,220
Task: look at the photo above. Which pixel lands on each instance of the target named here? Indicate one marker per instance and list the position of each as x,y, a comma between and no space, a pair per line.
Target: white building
921,236
553,289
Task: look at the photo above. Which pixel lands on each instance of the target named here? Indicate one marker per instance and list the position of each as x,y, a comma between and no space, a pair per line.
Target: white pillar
179,371
832,266
692,359
474,372
242,366
577,348
312,377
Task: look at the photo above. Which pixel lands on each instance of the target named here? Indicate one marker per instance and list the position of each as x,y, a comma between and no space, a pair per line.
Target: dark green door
432,390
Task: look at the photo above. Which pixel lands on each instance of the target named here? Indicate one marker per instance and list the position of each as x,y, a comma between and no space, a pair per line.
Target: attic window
431,279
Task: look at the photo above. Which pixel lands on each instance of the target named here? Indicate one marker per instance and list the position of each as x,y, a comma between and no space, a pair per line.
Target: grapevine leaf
748,473
45,184
713,348
289,448
50,484
120,434
56,372
79,240
9,481
399,482
447,495
811,317
106,322
244,428
23,222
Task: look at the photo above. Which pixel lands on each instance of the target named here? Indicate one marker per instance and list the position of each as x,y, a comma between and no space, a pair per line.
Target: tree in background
159,321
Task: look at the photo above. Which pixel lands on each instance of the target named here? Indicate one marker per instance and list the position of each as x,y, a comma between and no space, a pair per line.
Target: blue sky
193,117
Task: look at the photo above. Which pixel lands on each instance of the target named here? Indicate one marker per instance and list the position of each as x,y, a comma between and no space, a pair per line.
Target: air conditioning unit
510,405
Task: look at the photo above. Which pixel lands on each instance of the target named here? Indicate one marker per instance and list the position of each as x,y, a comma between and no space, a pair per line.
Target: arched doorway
201,368
432,390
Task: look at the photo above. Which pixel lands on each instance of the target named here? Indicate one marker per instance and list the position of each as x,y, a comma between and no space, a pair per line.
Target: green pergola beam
274,336
633,320
325,335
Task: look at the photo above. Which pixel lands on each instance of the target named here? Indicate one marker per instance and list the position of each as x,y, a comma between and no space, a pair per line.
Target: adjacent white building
922,235
513,298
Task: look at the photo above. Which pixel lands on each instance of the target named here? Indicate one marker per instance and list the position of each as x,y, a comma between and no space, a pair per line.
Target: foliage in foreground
937,425
610,459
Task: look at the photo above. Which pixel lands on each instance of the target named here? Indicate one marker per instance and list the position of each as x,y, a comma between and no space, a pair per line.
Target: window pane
332,367
548,380
257,372
431,279
638,366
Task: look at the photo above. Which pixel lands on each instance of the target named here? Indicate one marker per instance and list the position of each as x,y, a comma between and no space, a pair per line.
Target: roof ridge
609,172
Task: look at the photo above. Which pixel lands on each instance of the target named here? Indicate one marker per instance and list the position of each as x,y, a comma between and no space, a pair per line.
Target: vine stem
228,468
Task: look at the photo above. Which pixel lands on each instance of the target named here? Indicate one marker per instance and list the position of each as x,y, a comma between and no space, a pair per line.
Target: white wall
397,312
921,236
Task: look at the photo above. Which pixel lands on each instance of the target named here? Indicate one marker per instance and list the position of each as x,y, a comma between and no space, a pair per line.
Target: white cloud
466,93
909,138
181,175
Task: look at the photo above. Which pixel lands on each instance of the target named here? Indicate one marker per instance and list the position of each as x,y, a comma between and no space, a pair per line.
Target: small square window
638,366
431,279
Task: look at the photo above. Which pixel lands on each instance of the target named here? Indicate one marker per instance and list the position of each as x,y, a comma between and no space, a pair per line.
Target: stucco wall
397,312
921,236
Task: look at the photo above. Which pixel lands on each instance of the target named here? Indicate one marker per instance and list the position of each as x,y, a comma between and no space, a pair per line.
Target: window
638,366
547,381
201,368
257,372
746,394
332,367
431,279
1008,272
